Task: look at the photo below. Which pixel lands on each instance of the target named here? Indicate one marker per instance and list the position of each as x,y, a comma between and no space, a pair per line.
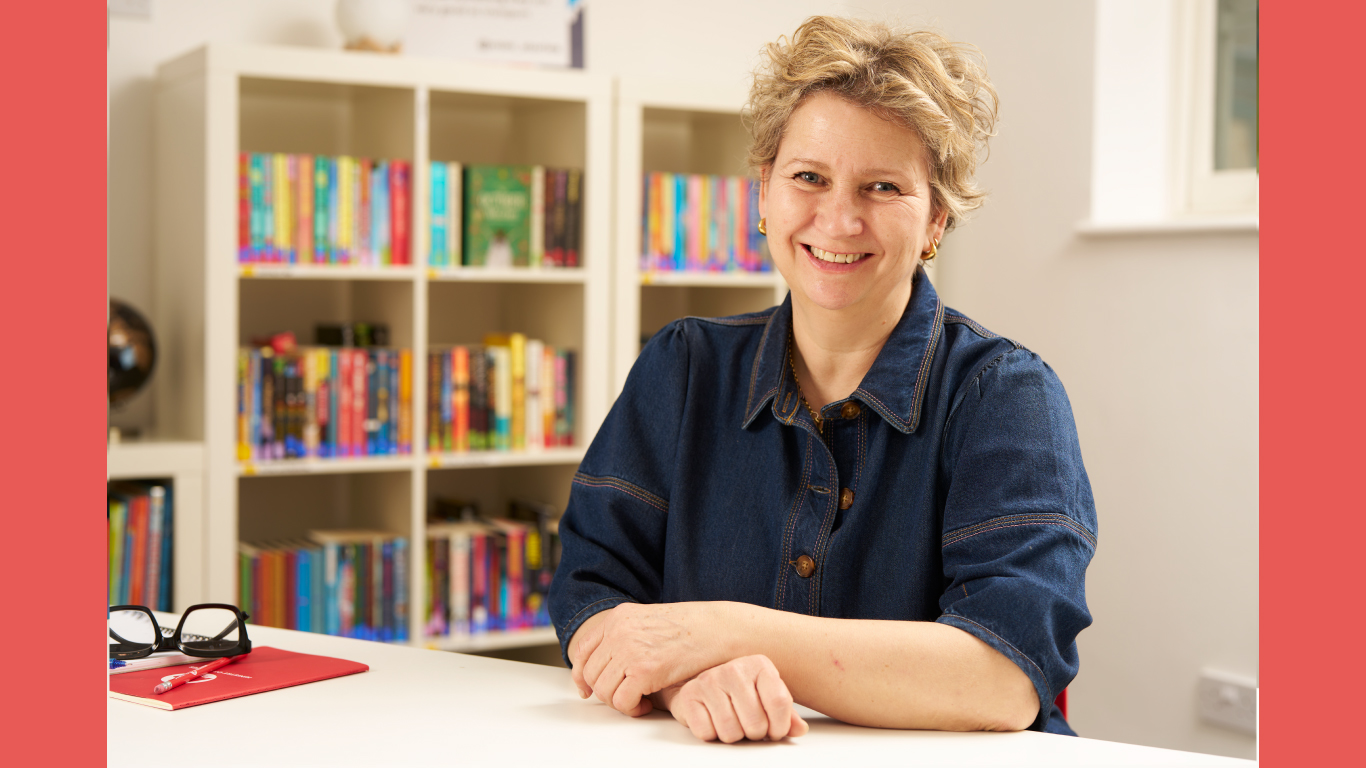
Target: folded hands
674,655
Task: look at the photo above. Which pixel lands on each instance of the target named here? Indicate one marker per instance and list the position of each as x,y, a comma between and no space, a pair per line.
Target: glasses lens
130,631
210,629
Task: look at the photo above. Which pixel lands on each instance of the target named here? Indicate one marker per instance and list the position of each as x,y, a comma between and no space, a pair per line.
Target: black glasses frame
164,640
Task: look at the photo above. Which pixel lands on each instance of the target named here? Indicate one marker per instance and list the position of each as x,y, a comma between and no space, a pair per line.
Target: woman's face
847,203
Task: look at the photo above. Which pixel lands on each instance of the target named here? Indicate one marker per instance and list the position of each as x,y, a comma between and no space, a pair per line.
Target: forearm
890,674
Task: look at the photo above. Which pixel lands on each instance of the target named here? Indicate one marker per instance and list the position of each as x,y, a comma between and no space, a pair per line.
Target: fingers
581,648
724,720
605,683
776,701
693,714
799,726
744,700
628,695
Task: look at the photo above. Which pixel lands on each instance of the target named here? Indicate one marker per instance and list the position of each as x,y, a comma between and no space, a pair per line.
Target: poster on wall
547,33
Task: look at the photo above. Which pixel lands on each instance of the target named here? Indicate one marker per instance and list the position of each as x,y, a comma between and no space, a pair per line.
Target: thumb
799,726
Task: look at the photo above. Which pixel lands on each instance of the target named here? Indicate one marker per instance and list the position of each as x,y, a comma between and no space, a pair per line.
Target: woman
860,501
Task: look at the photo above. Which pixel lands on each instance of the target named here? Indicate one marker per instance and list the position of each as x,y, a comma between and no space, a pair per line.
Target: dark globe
132,352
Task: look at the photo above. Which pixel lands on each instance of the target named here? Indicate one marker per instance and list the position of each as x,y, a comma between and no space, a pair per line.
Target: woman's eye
886,186
808,177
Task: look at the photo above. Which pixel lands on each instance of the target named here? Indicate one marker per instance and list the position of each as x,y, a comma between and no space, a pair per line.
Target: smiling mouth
834,258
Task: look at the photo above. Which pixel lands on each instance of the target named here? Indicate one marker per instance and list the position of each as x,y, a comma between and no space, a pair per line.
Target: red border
1313,410
53,312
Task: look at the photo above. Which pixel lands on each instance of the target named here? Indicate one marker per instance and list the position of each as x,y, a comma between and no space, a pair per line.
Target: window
1221,107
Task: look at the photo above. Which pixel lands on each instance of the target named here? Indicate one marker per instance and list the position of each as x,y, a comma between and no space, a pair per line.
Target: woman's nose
839,214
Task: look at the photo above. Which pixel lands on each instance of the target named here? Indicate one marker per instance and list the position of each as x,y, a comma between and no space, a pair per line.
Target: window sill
1212,225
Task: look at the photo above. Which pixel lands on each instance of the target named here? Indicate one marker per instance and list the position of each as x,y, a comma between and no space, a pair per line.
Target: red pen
193,673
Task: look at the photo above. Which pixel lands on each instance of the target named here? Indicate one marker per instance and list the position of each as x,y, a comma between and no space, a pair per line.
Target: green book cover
498,213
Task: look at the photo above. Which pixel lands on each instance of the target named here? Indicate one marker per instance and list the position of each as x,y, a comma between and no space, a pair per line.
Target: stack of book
490,576
505,216
140,552
347,583
511,394
701,223
323,402
315,209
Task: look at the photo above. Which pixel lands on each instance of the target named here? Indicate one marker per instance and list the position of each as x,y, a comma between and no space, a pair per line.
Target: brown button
804,566
846,498
850,410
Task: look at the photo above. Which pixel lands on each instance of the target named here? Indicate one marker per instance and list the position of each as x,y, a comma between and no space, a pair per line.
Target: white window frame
1152,146
1200,189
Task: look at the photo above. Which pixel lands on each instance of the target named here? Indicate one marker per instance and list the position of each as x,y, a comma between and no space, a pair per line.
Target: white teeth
836,258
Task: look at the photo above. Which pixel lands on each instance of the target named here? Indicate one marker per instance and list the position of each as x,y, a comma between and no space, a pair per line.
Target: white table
420,707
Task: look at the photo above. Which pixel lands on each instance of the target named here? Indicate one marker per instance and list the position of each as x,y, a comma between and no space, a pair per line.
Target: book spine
574,217
117,516
478,399
244,584
303,228
290,587
436,178
536,256
280,190
401,601
304,582
156,497
405,401
535,420
400,223
460,583
517,390
137,531
268,251
364,223
321,167
361,369
243,207
516,605
388,614
454,209
446,437
163,601
479,610
433,402
460,406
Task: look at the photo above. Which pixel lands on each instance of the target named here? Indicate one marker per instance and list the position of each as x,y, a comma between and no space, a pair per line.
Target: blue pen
115,663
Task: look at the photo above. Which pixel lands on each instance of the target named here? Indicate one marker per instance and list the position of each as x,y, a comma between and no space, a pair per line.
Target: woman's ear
938,223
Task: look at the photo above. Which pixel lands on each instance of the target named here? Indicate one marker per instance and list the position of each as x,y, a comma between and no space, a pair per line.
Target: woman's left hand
635,650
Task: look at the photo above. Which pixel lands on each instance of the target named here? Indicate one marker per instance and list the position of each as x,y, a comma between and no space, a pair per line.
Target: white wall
1155,337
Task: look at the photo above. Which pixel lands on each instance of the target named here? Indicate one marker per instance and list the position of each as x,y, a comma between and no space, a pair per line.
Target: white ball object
382,21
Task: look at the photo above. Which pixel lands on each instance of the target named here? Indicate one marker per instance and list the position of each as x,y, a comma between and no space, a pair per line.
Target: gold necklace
791,361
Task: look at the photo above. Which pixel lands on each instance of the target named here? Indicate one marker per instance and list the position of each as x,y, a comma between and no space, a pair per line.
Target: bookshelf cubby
218,101
178,465
675,127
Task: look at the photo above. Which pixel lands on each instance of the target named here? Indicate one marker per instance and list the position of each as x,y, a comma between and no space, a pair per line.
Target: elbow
1013,706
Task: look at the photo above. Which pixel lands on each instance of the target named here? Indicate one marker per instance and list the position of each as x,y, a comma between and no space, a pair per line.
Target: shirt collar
894,387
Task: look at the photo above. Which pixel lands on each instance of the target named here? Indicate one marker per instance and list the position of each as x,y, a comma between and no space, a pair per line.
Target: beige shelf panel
492,641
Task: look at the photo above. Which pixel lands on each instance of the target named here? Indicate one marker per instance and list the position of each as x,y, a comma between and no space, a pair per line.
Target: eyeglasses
209,630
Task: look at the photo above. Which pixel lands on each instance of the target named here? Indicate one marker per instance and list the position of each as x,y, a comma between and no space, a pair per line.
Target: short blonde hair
918,79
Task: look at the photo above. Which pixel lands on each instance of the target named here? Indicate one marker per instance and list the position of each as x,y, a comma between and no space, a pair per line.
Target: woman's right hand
742,699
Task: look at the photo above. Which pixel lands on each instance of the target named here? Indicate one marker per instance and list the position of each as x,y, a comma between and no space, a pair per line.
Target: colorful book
498,215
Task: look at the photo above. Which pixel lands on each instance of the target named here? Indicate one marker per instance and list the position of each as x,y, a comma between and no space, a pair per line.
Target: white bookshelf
219,100
181,464
680,127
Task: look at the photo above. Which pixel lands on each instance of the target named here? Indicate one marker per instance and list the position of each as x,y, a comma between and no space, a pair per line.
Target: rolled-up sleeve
613,529
1019,521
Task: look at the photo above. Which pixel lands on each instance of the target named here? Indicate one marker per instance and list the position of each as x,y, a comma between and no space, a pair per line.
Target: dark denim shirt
948,487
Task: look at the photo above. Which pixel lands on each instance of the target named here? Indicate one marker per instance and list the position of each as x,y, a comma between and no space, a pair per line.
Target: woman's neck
835,348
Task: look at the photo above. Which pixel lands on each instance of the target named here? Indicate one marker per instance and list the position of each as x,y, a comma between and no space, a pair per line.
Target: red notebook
264,669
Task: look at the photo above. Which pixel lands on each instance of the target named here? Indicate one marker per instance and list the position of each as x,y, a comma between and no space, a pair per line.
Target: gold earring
934,251
762,230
